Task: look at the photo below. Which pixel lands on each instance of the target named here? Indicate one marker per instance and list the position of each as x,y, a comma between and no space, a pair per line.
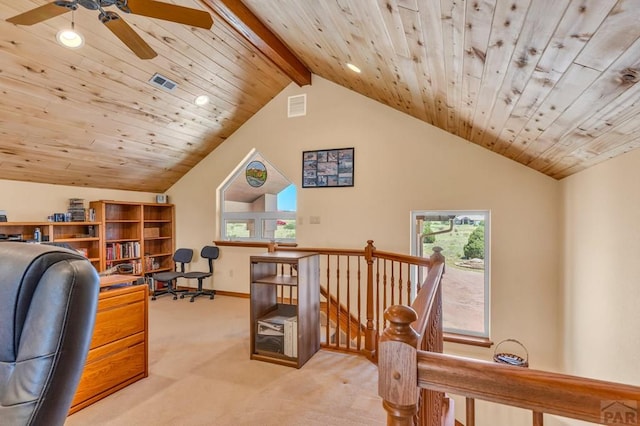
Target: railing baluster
371,337
378,300
400,283
348,301
393,283
409,284
359,316
471,412
338,304
537,419
328,319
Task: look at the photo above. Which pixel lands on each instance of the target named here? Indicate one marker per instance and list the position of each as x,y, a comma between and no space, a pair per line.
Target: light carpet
200,374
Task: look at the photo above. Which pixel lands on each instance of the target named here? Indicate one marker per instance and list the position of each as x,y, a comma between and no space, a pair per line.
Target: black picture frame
328,168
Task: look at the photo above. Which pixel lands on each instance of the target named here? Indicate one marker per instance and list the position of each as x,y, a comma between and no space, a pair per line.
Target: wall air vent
297,106
163,82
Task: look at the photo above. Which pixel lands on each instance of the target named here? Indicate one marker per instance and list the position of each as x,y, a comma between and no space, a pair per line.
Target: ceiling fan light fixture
70,39
202,100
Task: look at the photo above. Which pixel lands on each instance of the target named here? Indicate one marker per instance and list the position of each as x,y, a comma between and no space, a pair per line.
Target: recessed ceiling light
202,100
70,39
353,68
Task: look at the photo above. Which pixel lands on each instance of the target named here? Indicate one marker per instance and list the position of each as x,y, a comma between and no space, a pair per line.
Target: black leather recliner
48,301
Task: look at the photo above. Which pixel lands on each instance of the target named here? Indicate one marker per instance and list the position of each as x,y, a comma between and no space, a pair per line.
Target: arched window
259,203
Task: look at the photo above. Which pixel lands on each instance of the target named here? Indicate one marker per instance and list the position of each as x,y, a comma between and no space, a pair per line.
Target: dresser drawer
118,322
119,297
111,365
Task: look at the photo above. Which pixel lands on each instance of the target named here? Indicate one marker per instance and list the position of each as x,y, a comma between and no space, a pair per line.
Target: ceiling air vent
297,106
163,82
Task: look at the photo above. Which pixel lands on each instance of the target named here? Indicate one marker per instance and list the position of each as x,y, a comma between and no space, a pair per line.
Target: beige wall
600,275
33,202
401,164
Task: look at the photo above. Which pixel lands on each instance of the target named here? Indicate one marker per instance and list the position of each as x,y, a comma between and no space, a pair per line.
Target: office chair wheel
191,300
182,296
211,297
175,297
153,298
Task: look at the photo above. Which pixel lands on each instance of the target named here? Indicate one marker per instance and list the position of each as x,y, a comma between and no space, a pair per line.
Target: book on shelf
123,250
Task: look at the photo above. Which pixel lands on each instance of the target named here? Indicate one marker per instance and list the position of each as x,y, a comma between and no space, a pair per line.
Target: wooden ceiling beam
239,17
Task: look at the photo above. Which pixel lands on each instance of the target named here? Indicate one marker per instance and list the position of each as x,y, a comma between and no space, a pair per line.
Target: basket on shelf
510,358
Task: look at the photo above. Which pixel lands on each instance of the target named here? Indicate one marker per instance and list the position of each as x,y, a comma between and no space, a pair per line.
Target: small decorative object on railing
509,358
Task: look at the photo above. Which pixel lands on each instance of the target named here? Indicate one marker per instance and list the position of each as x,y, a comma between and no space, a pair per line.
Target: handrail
426,299
414,260
552,393
320,250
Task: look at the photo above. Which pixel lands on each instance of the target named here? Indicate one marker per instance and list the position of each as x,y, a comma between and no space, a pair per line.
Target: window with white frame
258,203
464,239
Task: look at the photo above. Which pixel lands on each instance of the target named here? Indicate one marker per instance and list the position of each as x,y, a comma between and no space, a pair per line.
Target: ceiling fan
113,21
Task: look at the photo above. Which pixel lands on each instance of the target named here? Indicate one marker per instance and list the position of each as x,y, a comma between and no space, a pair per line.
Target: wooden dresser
118,355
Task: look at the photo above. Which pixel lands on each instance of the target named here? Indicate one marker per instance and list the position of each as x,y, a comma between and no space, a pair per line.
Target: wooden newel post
370,343
397,366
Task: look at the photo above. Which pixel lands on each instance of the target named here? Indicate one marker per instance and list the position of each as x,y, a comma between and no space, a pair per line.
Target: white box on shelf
291,337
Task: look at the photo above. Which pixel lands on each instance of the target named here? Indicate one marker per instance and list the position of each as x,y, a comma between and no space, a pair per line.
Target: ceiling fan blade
127,35
171,12
39,14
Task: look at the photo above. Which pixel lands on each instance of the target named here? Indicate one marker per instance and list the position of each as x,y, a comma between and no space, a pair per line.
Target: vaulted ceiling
551,84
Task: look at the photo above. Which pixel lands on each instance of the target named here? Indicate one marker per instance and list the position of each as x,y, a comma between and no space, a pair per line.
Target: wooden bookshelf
140,234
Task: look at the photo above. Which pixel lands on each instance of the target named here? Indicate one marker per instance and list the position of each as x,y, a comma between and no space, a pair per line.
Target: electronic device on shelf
122,268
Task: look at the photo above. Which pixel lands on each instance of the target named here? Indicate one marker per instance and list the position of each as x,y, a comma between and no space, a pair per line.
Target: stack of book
76,210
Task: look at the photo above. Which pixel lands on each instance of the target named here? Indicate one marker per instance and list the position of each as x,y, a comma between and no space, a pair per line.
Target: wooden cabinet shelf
278,280
76,240
84,237
285,307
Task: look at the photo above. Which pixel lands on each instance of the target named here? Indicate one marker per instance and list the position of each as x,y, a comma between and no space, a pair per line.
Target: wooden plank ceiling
548,83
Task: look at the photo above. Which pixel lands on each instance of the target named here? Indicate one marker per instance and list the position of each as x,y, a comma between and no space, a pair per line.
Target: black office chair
210,253
181,257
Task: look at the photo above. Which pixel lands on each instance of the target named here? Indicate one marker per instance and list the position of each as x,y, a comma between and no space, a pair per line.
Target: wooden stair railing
539,391
357,286
405,362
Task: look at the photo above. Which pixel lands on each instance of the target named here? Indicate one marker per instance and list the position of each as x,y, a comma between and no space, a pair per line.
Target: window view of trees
474,249
464,243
